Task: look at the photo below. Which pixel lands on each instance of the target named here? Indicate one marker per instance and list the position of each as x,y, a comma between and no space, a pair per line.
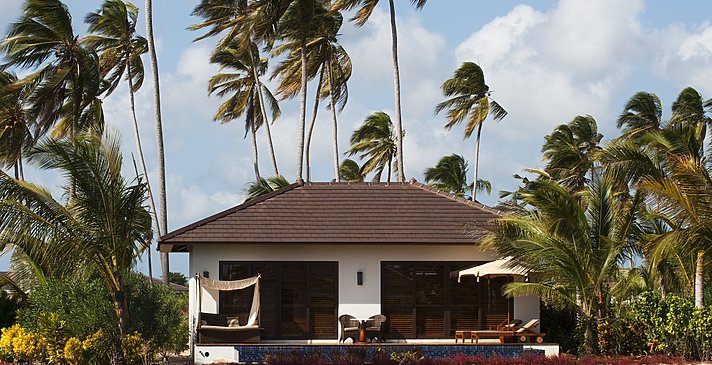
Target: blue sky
546,62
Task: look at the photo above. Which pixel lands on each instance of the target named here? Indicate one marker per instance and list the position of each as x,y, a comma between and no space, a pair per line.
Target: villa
326,249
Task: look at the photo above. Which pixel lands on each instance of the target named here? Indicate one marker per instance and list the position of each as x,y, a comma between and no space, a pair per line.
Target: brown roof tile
342,213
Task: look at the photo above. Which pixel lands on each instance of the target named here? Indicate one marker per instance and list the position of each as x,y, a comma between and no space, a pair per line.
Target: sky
545,61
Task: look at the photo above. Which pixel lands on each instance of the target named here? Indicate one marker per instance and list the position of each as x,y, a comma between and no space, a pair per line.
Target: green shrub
83,305
701,325
156,312
9,304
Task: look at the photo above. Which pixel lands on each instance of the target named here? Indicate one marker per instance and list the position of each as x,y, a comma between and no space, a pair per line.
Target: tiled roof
342,213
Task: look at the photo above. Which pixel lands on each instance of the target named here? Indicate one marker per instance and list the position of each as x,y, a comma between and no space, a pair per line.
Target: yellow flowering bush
27,346
74,351
6,347
136,349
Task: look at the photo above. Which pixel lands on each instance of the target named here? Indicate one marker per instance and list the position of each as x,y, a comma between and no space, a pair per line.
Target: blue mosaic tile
257,353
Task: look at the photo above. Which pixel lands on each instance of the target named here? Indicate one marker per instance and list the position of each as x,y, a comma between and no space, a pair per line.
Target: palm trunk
302,112
17,170
159,137
396,87
332,97
21,168
118,298
311,125
388,180
255,163
476,162
699,273
264,114
142,159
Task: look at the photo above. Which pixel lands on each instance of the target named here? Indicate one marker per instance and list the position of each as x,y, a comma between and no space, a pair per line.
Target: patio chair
374,327
349,327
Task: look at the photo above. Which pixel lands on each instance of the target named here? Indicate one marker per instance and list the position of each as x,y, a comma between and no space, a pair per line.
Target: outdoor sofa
219,328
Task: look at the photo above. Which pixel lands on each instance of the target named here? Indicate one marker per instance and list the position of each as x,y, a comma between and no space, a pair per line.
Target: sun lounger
522,334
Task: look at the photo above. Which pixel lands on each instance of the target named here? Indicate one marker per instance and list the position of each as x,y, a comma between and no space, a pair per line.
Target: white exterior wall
361,301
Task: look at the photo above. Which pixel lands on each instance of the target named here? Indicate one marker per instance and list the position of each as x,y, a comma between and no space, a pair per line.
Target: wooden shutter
429,301
322,300
397,300
294,301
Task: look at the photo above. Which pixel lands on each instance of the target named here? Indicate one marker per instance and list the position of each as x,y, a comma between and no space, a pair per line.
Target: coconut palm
227,16
375,141
327,58
113,35
642,113
450,174
365,9
241,87
104,224
350,171
573,241
15,133
160,155
62,91
262,186
570,151
469,99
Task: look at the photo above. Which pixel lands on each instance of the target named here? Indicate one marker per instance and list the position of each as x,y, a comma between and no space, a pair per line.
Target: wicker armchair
349,327
374,327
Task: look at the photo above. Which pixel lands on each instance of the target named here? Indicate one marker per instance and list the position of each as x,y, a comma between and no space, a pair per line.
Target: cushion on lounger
233,321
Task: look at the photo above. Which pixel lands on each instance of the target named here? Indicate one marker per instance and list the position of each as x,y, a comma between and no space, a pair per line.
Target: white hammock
208,283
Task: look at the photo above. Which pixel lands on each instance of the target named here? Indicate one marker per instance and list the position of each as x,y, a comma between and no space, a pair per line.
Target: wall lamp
359,277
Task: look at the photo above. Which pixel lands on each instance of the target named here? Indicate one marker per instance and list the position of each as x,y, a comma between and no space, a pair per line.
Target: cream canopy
495,268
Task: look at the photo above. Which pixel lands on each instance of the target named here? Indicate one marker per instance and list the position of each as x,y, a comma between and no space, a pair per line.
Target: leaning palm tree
104,224
163,212
469,99
375,141
570,151
327,58
243,91
226,16
573,241
365,9
15,133
62,91
113,35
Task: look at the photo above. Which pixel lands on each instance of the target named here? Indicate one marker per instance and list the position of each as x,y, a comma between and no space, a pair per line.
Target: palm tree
642,113
350,171
450,174
62,92
113,28
227,16
15,133
573,241
364,12
469,100
165,269
375,140
243,90
263,186
570,151
104,223
327,58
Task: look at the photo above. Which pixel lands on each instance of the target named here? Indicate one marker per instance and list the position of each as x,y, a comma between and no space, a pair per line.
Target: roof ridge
453,197
230,210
